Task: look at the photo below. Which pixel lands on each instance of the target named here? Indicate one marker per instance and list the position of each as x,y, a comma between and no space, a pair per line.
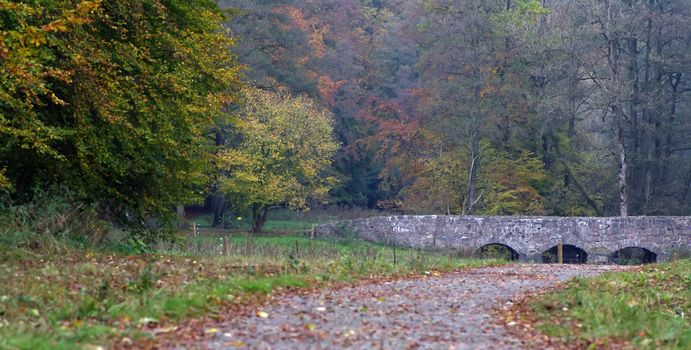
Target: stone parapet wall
530,236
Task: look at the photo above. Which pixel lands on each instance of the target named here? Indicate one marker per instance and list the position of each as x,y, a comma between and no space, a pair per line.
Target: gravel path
451,311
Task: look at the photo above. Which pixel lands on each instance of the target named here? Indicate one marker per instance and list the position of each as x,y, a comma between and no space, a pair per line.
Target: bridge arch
572,255
497,251
633,256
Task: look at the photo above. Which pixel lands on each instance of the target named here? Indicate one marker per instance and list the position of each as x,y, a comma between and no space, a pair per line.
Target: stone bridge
529,239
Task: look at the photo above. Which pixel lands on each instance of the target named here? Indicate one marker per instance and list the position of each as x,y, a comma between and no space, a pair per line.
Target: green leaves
112,99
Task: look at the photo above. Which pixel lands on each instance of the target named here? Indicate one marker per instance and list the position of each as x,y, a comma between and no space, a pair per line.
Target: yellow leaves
166,329
510,183
34,37
262,314
78,16
59,26
5,184
235,344
286,143
86,7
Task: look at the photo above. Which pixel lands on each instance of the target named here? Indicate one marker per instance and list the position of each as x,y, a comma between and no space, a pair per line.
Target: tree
512,184
507,184
284,146
462,66
634,59
110,99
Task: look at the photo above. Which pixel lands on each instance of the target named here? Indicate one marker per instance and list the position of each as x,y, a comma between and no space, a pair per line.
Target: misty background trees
490,107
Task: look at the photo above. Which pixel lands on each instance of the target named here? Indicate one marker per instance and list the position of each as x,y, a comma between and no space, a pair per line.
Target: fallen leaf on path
235,344
146,321
165,329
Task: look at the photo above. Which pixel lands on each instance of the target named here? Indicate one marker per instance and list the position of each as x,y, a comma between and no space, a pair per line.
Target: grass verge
645,309
89,299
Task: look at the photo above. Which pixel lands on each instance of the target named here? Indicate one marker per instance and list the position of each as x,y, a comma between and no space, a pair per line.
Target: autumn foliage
110,100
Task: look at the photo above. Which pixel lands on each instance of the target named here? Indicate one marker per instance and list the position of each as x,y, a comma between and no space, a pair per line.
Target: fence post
394,253
560,253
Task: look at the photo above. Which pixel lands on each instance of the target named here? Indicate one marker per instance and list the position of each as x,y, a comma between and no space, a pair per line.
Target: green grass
647,309
286,220
271,225
79,298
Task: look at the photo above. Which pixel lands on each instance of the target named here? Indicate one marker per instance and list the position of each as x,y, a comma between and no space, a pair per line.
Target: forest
180,174
490,107
131,111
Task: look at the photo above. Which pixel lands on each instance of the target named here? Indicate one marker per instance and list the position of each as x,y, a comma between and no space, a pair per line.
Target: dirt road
450,311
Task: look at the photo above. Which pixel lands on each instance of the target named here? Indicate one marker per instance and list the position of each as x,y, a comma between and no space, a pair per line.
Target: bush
49,221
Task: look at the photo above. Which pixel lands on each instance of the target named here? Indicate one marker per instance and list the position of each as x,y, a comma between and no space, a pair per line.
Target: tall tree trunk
219,205
687,189
469,206
637,181
618,114
649,134
259,215
216,201
621,157
472,176
180,213
674,81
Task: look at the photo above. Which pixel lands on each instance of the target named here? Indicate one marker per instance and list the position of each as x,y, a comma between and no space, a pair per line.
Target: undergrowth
49,225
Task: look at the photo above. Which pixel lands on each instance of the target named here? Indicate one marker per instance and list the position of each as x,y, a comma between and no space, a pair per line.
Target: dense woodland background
554,107
129,110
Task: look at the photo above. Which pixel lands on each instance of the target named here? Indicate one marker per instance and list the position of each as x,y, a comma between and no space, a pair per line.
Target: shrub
49,221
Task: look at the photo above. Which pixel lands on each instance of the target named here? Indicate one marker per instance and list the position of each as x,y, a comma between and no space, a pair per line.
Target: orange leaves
421,95
310,26
488,89
296,15
327,88
59,26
